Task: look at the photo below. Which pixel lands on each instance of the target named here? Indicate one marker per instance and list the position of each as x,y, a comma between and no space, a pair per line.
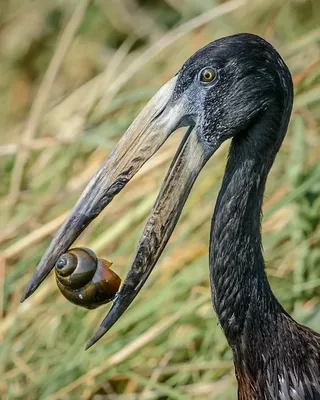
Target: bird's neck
240,289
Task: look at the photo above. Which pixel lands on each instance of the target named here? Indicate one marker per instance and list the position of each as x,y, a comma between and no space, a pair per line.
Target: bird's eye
207,75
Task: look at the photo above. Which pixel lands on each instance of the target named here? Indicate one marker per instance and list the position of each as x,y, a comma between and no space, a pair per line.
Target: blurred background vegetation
73,75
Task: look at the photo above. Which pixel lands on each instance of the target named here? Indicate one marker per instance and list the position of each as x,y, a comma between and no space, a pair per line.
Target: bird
238,89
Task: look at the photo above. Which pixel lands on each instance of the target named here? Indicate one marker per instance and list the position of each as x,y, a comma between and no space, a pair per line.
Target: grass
168,344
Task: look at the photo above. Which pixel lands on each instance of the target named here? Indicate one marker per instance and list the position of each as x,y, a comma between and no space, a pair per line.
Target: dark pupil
207,75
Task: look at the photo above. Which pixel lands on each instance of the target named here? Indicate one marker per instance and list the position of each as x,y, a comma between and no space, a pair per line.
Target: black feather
251,102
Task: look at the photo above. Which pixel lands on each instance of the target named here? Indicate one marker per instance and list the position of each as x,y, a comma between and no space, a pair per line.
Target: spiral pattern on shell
85,280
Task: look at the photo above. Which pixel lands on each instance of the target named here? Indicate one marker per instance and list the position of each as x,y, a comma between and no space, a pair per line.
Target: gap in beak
186,120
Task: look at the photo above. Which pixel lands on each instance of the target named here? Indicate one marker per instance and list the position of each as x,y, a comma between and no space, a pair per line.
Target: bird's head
228,84
218,93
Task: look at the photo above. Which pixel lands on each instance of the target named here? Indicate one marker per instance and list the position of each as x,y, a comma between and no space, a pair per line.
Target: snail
85,280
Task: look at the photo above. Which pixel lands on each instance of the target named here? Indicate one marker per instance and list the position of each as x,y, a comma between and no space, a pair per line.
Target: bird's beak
148,132
188,162
142,139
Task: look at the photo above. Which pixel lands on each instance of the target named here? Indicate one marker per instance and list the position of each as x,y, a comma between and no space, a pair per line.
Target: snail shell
84,279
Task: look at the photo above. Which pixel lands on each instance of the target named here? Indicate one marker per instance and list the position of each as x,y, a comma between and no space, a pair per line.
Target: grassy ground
72,76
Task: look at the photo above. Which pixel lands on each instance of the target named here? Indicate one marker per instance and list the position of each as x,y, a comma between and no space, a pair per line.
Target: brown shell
84,279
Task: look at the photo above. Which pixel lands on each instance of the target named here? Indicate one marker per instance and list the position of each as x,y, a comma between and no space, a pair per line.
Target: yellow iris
207,75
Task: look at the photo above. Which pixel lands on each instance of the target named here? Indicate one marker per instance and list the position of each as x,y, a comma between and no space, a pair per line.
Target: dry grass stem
42,97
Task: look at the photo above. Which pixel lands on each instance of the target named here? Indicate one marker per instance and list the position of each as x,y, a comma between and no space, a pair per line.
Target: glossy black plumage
275,357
